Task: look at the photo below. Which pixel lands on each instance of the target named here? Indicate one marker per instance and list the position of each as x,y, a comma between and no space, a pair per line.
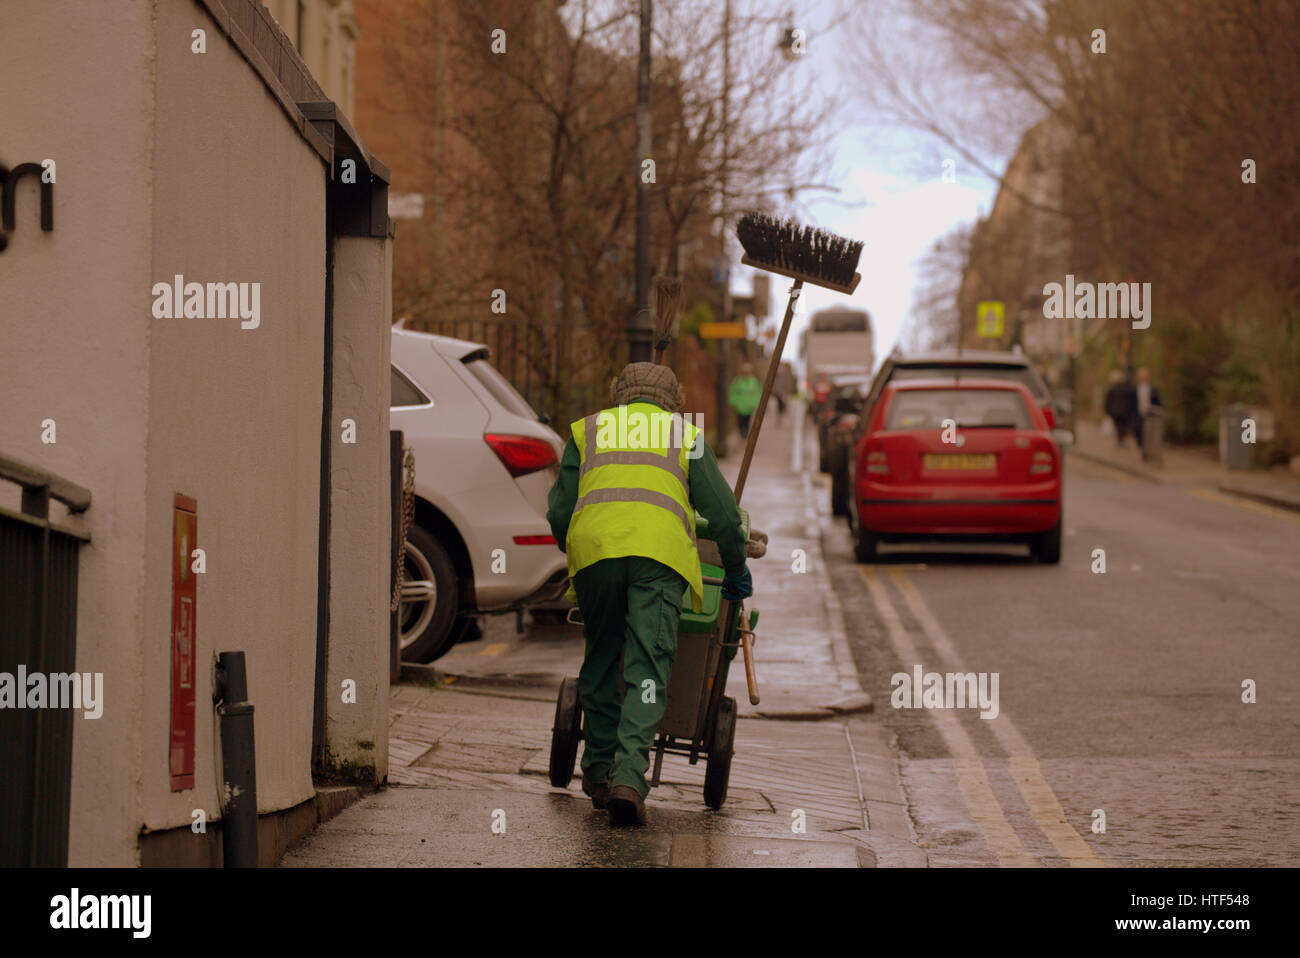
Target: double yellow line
968,764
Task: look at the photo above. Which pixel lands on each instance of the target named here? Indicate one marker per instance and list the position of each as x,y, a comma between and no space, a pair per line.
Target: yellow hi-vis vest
634,492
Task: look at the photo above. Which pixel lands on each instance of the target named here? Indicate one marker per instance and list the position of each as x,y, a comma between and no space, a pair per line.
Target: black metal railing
38,635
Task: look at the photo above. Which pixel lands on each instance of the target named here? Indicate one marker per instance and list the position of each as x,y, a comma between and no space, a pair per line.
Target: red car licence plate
963,461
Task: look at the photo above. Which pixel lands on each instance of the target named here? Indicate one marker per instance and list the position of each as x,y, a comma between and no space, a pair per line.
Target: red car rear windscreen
1016,374
969,408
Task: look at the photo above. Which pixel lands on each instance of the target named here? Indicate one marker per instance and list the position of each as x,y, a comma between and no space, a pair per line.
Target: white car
484,463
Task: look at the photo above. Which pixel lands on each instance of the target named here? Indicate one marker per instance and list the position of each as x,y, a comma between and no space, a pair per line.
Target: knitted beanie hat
647,381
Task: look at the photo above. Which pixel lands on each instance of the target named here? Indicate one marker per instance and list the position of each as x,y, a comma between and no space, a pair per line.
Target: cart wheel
717,770
565,733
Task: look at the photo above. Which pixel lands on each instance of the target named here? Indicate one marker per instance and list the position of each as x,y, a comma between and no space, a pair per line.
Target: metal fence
38,635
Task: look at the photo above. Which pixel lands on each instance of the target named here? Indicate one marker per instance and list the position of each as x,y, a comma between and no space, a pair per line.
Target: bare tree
934,320
1167,106
524,113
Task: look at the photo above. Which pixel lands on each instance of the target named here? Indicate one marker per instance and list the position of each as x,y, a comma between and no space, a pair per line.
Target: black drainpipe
326,456
358,207
238,763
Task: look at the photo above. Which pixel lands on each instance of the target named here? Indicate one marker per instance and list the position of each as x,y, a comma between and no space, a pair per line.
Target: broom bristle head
786,244
668,296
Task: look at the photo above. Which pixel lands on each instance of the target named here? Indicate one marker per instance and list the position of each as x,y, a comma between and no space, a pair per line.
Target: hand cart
700,719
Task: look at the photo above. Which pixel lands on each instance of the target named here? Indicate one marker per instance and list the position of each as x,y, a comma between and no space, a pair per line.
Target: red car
960,458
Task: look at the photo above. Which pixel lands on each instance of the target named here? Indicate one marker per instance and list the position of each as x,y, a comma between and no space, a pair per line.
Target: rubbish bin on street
1233,453
1153,437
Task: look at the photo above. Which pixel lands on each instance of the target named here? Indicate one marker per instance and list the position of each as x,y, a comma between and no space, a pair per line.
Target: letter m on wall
8,200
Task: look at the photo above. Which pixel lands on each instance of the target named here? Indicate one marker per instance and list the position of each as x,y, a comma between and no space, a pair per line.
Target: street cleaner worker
623,511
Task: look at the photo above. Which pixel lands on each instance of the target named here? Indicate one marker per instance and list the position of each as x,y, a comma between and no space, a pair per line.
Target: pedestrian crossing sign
988,318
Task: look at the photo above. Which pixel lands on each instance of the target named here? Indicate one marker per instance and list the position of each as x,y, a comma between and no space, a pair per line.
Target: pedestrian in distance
1146,405
623,511
1120,399
782,389
743,396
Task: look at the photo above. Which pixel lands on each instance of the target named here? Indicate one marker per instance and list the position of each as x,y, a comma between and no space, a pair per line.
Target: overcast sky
893,197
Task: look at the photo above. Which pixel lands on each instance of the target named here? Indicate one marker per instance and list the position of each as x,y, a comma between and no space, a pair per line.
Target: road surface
1120,692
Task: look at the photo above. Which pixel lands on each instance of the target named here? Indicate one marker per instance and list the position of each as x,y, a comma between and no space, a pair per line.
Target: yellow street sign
988,318
722,330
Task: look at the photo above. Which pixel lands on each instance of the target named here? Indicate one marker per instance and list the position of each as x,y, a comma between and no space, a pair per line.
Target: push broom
806,255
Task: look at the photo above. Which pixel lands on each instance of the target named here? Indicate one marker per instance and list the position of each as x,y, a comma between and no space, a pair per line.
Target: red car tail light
1042,465
534,540
877,462
521,454
847,422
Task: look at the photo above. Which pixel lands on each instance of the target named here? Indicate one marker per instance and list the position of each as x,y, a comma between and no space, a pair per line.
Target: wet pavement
814,780
469,786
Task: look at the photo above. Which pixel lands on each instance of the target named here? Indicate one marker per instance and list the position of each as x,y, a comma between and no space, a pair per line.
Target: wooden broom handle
768,380
751,677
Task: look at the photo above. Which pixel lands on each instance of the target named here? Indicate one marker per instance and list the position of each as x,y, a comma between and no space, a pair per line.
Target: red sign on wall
185,526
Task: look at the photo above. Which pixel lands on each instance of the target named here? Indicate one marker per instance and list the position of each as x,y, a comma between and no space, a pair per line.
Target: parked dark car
846,414
984,363
849,387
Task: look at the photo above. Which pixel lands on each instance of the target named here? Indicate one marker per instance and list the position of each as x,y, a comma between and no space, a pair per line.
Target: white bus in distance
836,341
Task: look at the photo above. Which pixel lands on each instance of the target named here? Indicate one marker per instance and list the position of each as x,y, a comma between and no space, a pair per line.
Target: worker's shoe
626,806
599,792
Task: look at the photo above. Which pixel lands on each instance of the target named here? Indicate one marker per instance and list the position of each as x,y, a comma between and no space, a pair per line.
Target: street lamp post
720,446
640,330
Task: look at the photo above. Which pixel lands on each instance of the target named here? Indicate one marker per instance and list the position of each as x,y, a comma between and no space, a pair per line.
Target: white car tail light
877,462
522,454
1042,464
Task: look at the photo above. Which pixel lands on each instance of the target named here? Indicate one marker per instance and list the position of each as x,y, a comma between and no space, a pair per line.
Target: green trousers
630,608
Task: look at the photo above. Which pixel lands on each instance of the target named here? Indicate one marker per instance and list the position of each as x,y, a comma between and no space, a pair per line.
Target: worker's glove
737,587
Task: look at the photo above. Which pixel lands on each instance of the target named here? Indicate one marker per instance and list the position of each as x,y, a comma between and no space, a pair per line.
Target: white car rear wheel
429,599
